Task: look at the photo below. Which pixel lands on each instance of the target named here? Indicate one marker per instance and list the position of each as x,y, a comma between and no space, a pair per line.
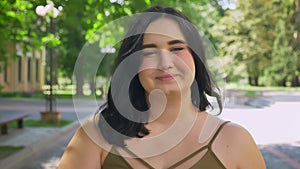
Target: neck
166,108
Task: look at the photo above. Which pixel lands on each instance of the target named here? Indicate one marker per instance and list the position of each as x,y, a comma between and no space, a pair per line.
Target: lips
166,77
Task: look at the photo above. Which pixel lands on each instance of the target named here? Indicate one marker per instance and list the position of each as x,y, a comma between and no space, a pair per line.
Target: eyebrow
172,42
151,45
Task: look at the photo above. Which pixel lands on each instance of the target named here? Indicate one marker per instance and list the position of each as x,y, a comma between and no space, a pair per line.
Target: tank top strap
138,158
217,133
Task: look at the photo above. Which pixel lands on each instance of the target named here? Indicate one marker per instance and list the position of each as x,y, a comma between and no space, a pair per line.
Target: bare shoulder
85,148
242,147
235,132
92,130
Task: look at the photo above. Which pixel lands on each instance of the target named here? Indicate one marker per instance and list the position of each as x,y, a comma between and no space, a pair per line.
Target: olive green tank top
115,161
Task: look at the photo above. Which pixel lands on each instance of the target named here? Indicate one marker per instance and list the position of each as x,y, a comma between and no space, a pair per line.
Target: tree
17,25
72,30
284,57
83,21
256,37
296,43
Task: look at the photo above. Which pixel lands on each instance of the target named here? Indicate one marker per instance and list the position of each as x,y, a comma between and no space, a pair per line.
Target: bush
22,94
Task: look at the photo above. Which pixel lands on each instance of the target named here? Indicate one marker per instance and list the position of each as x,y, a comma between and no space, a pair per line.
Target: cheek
144,74
148,63
187,62
145,78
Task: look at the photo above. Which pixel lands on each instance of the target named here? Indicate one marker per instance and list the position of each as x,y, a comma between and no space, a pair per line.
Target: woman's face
167,62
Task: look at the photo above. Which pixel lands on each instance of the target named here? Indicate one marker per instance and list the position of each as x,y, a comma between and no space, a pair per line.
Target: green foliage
256,40
38,123
251,93
79,28
51,40
16,25
22,94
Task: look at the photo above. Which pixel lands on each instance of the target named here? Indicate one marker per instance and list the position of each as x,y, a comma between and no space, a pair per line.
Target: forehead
163,28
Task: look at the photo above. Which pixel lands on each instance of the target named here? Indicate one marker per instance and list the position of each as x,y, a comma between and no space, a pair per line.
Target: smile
166,77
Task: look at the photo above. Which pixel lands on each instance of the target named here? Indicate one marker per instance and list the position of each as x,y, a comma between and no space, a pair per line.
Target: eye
149,53
177,49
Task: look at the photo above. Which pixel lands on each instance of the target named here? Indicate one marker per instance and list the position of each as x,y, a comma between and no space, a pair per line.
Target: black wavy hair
114,126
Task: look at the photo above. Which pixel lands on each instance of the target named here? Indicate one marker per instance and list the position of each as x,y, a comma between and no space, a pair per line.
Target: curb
16,160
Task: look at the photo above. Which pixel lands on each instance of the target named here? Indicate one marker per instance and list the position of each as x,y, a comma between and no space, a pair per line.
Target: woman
155,115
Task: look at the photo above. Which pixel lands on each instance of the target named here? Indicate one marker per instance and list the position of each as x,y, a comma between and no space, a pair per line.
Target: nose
165,60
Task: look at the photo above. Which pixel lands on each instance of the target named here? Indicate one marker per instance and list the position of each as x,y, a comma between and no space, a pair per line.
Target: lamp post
53,12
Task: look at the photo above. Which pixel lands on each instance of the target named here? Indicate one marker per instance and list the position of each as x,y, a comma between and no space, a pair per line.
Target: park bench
6,118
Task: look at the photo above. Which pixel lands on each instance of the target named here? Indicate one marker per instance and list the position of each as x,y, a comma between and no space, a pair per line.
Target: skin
234,146
169,67
167,59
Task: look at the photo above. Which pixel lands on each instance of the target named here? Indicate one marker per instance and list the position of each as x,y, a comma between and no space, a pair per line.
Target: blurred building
25,73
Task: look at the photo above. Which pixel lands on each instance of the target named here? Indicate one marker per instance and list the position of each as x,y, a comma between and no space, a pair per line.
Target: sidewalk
34,140
278,154
273,120
282,156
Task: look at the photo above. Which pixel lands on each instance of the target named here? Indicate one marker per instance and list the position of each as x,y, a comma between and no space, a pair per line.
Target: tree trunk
256,81
79,85
295,81
283,82
253,81
92,86
250,80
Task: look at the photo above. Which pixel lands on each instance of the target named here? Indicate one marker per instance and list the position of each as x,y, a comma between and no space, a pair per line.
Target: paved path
70,109
49,158
37,141
272,120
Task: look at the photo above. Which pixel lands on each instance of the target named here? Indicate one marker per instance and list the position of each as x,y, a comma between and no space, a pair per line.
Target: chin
169,90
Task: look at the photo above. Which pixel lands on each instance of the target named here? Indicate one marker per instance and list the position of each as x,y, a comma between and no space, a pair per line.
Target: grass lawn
38,123
234,86
8,150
